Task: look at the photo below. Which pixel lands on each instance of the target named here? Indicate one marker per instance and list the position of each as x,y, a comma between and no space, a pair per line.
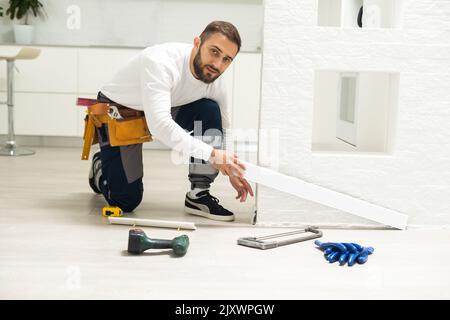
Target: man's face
213,57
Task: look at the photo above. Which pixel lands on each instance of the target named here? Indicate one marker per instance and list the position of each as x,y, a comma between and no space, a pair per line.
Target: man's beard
199,67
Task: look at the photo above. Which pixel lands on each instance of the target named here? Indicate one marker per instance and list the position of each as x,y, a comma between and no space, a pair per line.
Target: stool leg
10,148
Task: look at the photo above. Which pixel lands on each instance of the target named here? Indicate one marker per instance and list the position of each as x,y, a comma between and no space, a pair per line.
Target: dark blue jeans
122,167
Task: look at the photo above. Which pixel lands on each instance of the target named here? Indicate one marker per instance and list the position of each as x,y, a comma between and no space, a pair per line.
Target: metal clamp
114,113
259,243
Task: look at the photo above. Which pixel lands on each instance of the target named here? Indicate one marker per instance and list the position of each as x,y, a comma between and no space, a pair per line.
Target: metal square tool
263,244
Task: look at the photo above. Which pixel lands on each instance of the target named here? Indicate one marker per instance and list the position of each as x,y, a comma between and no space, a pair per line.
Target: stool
10,55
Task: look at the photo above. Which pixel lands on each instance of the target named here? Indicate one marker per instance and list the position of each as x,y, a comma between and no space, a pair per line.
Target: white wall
415,177
140,23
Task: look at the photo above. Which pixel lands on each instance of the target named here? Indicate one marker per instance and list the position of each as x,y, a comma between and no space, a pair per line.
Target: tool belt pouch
124,132
127,131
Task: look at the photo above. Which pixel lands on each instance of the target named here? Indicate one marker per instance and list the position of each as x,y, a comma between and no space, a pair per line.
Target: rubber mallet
138,242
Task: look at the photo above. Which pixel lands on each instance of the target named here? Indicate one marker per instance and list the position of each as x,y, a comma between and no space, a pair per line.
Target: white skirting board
334,199
153,223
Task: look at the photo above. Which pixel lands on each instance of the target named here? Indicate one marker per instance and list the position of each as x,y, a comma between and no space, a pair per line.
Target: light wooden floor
55,244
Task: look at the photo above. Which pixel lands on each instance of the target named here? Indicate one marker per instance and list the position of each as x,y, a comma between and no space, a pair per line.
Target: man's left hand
242,187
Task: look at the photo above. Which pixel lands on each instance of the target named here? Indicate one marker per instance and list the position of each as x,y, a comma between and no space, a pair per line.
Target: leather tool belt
125,126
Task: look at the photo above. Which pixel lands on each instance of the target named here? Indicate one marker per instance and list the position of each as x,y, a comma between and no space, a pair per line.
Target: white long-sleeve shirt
159,78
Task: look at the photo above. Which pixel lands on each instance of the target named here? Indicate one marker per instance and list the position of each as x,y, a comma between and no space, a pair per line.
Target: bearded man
178,88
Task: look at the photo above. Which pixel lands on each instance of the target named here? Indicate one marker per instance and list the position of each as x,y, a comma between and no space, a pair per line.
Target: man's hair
223,27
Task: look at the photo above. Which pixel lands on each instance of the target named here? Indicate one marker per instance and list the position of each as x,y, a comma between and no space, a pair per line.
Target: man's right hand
227,163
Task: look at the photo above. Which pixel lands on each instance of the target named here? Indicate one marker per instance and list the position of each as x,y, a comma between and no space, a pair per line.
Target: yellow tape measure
112,212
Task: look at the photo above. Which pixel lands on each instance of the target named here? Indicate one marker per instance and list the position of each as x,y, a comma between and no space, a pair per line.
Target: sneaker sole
208,215
91,179
93,187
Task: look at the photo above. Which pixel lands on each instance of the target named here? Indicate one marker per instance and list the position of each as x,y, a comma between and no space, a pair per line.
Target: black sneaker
95,167
207,206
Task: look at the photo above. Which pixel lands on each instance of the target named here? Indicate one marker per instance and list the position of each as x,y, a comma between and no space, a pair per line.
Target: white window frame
345,130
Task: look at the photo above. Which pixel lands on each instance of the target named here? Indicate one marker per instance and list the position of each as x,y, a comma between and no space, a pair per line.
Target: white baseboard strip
153,223
334,199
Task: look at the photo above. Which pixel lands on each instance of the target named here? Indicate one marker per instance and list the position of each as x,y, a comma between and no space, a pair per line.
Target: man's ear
197,42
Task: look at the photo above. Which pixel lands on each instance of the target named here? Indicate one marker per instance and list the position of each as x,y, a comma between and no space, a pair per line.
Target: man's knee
130,204
209,113
128,199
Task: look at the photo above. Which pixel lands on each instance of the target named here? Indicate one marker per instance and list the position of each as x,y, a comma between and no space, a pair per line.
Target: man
179,89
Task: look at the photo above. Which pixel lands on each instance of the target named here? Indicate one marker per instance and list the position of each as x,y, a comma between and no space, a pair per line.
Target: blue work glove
344,252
